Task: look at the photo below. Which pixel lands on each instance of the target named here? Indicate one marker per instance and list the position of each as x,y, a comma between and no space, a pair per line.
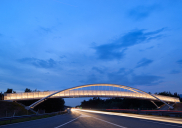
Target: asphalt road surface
80,119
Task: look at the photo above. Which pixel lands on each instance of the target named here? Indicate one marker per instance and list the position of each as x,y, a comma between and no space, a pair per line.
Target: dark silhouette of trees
1,96
118,103
9,90
123,103
50,105
165,93
35,90
28,90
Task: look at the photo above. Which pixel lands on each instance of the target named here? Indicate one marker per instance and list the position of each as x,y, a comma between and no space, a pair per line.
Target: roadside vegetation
178,107
118,103
123,103
13,109
29,118
8,109
48,106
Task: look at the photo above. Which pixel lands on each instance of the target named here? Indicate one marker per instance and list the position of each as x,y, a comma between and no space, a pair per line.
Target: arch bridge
92,90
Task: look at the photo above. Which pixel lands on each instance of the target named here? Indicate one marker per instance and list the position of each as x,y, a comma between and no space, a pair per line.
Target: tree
49,105
35,90
52,105
1,96
28,90
9,90
121,103
165,93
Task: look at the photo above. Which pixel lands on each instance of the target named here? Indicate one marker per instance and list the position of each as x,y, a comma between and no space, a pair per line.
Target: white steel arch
90,85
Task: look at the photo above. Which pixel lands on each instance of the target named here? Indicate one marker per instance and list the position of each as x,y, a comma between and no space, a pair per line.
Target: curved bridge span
92,90
86,93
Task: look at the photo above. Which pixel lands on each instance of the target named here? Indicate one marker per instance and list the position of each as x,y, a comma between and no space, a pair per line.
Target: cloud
116,49
91,79
144,62
109,52
98,70
47,30
125,71
65,3
146,79
150,47
133,79
146,49
38,62
175,72
142,12
179,62
123,77
63,56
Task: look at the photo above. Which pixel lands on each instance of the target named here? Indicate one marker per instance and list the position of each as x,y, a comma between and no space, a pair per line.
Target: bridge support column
27,108
155,104
163,102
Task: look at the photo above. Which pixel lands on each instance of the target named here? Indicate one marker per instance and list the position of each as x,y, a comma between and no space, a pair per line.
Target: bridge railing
85,93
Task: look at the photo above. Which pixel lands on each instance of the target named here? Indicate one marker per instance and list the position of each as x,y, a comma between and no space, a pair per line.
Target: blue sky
57,44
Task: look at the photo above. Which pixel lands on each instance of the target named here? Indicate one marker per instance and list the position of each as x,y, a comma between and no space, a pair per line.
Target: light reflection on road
155,118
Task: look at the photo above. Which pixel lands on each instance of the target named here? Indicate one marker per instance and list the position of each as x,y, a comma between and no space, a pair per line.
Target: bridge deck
86,93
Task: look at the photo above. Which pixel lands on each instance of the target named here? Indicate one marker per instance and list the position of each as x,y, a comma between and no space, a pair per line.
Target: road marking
162,123
110,123
84,116
67,122
104,121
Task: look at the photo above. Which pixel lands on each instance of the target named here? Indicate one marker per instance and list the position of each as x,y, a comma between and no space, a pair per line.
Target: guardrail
149,112
170,113
29,116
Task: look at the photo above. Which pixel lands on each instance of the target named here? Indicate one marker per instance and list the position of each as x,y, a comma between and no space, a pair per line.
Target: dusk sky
58,44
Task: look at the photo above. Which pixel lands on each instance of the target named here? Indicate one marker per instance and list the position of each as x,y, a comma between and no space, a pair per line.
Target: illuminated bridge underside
87,93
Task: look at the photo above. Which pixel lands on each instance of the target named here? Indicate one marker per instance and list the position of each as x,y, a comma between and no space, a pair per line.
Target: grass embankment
27,119
8,109
178,107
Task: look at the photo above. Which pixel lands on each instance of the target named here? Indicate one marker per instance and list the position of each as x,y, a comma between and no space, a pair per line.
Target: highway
98,119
